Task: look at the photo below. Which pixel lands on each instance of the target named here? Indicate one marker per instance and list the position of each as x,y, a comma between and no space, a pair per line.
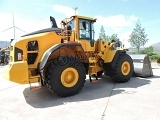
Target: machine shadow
155,68
154,76
104,88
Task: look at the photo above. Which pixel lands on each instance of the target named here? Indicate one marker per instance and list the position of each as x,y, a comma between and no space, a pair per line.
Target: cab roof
85,17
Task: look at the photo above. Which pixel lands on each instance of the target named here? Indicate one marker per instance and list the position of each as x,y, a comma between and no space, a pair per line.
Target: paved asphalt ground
138,99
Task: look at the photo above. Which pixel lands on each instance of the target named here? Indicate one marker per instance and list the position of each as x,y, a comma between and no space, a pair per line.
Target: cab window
71,24
84,29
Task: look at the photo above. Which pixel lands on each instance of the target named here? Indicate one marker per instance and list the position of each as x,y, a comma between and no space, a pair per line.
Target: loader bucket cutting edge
142,65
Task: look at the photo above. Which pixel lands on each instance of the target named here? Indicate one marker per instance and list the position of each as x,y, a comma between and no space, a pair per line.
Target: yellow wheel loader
60,58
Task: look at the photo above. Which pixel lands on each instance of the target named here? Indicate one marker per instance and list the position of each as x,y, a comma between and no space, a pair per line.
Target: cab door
86,34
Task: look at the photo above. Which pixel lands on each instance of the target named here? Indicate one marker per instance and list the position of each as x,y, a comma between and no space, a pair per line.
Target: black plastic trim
58,30
54,48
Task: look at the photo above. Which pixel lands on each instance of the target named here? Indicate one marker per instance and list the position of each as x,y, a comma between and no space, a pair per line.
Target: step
35,87
92,66
36,76
94,81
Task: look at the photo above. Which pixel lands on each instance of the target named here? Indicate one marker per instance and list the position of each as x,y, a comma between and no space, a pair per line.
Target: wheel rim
125,68
69,77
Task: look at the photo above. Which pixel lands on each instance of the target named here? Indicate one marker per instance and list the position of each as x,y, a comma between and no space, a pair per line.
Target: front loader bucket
142,65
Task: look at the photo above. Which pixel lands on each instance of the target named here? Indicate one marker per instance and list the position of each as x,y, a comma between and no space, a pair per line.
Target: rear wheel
123,69
66,79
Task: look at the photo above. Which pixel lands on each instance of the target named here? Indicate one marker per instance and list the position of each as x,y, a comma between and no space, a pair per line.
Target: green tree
147,50
102,34
138,36
114,37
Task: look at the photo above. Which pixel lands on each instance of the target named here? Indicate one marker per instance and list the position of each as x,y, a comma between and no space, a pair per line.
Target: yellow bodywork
20,71
105,50
17,72
45,41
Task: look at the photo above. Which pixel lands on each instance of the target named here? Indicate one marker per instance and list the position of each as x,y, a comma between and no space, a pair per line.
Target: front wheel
123,70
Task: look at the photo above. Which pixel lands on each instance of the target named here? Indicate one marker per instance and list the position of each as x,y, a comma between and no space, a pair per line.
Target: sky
116,16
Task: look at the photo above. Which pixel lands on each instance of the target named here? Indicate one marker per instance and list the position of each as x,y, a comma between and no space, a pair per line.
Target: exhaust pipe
142,65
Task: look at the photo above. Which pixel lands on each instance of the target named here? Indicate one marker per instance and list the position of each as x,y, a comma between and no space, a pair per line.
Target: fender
54,48
118,53
114,61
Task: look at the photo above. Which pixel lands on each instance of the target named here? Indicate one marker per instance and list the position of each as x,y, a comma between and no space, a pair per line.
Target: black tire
55,71
116,73
99,74
6,61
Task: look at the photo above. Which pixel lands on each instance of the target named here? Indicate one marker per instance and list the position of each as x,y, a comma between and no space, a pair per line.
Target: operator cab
81,27
86,30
